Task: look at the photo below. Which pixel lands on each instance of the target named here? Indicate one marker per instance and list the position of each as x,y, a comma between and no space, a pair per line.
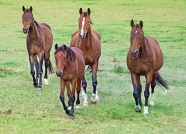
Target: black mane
85,14
36,23
27,10
137,25
68,51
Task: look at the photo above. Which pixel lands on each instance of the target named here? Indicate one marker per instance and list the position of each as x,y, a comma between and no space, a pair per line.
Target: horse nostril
25,30
135,53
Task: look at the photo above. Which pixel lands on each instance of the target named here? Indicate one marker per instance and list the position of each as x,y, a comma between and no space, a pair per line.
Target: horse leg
69,94
40,70
137,91
153,84
37,68
146,92
32,72
71,98
48,65
78,89
95,97
84,92
62,97
140,89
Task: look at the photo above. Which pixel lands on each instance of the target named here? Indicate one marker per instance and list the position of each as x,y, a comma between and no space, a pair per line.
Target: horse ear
141,24
31,8
132,23
56,46
80,11
88,11
23,8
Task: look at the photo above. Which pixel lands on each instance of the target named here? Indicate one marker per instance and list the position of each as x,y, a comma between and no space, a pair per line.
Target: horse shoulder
97,34
75,39
75,33
80,60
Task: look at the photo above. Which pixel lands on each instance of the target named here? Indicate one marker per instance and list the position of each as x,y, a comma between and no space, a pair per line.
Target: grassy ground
23,109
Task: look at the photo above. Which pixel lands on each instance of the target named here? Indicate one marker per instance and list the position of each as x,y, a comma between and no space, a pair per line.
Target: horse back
154,45
46,25
47,36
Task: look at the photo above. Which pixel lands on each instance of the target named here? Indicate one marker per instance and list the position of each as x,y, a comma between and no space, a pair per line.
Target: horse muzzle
82,35
134,53
59,74
25,30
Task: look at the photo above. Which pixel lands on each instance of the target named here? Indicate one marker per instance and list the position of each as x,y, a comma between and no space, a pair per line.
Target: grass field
23,109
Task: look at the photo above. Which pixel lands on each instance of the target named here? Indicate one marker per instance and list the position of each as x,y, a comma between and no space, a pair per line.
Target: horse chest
88,59
141,67
34,49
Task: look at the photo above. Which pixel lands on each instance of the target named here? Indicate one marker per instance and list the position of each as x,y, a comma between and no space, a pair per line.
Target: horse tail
162,81
51,70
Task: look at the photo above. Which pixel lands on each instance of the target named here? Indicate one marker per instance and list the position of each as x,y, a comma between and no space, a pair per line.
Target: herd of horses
144,58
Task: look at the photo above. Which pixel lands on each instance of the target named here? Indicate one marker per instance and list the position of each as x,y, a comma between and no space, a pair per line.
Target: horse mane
137,25
84,15
36,23
27,10
68,51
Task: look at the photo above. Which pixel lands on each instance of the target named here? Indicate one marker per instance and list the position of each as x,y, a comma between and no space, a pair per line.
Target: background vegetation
23,109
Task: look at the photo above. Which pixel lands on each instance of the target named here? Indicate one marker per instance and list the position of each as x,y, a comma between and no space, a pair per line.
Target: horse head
136,38
61,59
84,23
27,18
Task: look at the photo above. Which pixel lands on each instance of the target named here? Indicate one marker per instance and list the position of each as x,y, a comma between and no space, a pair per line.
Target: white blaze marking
83,23
136,32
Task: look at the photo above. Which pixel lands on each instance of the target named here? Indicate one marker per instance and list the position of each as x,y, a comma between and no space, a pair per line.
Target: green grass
23,109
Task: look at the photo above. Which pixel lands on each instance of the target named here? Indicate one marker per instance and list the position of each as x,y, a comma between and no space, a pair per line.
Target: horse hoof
93,102
146,110
35,85
93,99
85,103
151,103
138,109
46,82
78,107
67,112
40,89
71,117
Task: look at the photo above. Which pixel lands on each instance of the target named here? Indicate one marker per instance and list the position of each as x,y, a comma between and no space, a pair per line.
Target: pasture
24,109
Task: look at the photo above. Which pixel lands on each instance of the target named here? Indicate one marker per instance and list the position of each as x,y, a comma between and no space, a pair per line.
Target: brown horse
89,41
70,68
39,42
144,58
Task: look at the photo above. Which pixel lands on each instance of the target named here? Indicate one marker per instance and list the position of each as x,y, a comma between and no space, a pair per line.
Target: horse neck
145,49
88,39
35,31
71,66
